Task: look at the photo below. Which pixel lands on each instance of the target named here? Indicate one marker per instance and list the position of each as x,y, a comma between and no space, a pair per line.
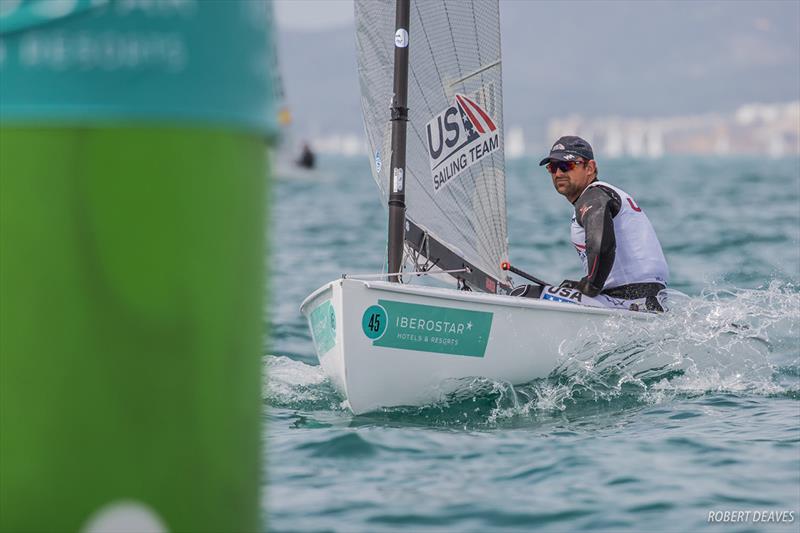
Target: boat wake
743,342
295,385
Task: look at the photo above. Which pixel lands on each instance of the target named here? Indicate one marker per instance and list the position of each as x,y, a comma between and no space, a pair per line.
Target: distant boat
289,161
438,158
307,158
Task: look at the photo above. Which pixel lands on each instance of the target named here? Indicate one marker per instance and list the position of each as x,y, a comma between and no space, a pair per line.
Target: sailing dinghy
431,92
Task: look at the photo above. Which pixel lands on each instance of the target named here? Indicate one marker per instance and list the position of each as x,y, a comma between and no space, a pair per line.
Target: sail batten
455,168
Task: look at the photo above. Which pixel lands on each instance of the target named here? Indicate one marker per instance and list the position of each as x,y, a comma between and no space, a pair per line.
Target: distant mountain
590,58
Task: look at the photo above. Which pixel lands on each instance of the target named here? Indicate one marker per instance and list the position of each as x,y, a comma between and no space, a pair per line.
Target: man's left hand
587,288
583,285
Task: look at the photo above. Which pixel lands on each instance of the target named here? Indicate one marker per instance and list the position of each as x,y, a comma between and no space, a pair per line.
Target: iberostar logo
459,137
323,327
427,328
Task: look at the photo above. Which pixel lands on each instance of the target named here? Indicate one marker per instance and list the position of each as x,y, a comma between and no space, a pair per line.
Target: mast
399,109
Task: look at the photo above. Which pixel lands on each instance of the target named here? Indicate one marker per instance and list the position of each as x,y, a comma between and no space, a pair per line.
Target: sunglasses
564,166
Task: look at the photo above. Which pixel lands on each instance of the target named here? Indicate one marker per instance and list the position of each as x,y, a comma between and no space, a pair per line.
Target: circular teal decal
374,322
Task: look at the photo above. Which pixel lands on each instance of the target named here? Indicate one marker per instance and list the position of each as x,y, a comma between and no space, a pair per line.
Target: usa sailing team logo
459,137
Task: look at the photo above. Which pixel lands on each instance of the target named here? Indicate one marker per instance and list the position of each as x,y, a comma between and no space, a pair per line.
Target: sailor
622,258
306,159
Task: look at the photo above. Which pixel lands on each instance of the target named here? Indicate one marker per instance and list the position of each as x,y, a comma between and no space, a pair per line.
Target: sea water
706,439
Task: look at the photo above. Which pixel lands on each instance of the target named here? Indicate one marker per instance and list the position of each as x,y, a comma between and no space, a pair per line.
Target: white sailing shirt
639,258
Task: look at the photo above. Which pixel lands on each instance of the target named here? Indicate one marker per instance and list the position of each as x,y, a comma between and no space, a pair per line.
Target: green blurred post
133,192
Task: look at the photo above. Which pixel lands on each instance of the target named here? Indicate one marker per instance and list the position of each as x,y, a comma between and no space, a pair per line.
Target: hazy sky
631,58
313,14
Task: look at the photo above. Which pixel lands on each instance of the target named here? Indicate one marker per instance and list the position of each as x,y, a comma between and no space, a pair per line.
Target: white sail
455,168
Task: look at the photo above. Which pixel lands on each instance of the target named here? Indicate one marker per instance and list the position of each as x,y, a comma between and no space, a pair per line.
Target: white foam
289,382
720,341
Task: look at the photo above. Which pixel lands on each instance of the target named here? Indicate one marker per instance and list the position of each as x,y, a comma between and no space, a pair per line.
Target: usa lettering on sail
458,137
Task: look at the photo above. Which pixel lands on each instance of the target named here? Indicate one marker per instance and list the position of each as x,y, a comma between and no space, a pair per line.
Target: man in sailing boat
306,159
622,258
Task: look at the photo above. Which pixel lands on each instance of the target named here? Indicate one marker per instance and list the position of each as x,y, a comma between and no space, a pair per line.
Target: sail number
373,323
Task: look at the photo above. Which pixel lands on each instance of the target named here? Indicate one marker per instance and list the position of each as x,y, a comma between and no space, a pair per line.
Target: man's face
571,182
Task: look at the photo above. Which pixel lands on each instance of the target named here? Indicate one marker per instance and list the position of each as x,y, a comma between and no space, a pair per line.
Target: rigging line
424,252
430,49
476,72
428,263
499,248
427,242
480,61
488,203
494,204
482,204
495,207
452,37
424,273
414,74
410,253
415,257
496,191
500,196
483,197
446,102
483,178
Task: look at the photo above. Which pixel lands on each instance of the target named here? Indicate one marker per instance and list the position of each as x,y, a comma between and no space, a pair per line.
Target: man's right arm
595,211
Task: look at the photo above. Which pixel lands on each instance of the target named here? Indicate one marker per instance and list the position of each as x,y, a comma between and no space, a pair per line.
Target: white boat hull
386,344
